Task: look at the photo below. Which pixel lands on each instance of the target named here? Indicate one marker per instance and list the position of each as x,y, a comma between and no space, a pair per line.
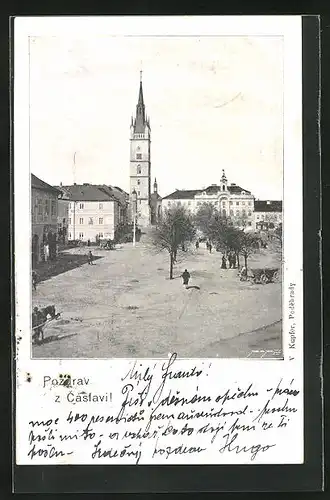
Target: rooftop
37,183
268,206
184,194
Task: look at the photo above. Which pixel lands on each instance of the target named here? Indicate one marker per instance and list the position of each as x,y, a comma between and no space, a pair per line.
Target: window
69,221
224,213
81,220
140,202
70,236
81,235
249,203
63,220
100,206
179,203
249,214
101,235
139,192
223,188
249,223
231,212
243,212
46,208
81,205
138,169
90,220
53,208
237,202
262,216
169,203
257,217
237,213
230,203
243,202
223,204
139,156
189,202
101,220
138,181
40,211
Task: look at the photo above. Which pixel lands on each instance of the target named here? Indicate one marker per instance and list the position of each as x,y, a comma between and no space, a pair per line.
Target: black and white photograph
158,182
156,196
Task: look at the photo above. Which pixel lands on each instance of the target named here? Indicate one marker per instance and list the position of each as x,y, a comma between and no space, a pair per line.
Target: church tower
140,163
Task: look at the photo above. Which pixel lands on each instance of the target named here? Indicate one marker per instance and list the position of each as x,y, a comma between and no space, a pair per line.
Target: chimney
61,184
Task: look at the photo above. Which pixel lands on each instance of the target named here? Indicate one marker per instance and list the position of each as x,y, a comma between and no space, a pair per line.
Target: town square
125,264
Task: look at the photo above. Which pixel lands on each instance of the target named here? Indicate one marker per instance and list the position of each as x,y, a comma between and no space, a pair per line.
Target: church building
144,204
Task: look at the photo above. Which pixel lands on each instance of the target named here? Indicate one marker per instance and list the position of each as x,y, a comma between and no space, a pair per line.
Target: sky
214,102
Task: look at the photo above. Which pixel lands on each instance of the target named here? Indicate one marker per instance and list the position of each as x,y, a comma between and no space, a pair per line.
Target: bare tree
248,244
204,218
172,231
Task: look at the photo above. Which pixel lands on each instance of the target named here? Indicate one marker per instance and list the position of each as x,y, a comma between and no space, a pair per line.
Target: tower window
223,188
81,205
139,192
81,220
138,181
100,206
139,156
138,169
101,220
90,220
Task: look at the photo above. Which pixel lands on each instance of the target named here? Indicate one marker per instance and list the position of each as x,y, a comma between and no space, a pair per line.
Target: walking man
90,258
186,277
210,247
224,264
197,245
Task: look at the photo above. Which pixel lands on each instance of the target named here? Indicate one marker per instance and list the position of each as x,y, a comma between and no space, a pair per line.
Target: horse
39,318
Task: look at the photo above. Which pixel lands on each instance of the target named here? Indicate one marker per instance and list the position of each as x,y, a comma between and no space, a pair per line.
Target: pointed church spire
140,120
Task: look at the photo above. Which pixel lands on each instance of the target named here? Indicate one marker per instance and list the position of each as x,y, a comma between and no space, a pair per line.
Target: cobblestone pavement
125,306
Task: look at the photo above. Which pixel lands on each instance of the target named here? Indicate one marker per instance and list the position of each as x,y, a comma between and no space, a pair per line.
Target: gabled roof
37,183
267,206
182,194
88,192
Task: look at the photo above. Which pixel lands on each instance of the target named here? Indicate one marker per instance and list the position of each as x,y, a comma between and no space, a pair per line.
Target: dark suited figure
186,277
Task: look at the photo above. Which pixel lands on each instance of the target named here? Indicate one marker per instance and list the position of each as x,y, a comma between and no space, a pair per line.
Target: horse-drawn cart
261,276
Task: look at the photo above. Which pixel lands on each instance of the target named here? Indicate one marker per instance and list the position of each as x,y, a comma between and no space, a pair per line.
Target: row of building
93,212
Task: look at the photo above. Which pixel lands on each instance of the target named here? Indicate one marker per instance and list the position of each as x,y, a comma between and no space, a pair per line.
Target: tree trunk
245,260
171,265
237,256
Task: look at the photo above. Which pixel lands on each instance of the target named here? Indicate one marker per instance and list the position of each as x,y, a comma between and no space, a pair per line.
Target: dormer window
243,192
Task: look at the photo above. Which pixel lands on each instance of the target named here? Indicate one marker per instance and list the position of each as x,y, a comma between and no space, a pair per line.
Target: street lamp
134,203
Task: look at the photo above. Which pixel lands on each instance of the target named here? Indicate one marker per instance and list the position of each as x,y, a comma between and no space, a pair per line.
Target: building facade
44,214
140,163
268,214
230,199
63,216
156,205
95,211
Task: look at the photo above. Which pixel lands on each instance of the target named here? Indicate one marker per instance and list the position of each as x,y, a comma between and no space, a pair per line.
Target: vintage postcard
158,240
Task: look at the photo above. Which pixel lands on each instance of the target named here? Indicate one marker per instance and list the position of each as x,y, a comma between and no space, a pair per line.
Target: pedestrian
210,247
182,247
90,258
224,264
186,277
207,245
197,245
34,280
88,242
